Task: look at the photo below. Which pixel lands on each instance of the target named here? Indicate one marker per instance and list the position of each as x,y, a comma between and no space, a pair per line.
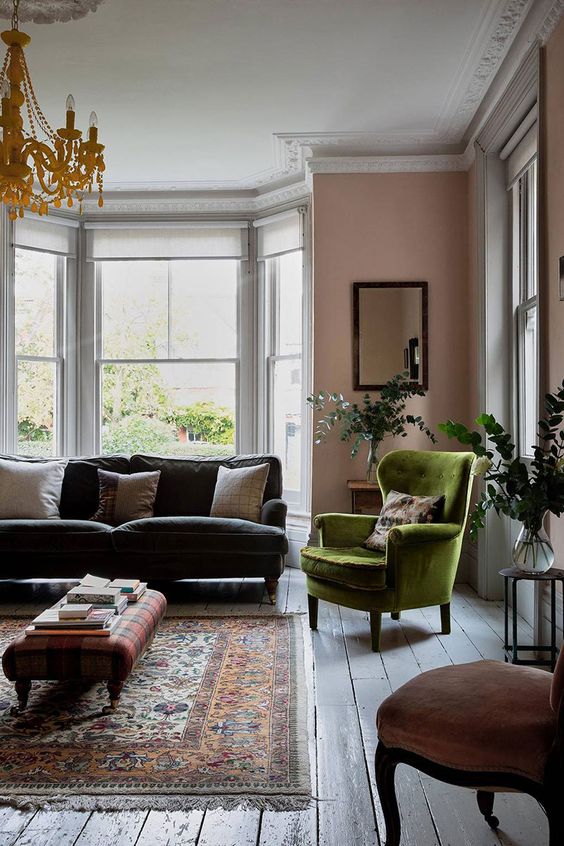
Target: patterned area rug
214,714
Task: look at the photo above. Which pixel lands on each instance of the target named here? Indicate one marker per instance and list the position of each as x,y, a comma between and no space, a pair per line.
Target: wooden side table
512,649
366,497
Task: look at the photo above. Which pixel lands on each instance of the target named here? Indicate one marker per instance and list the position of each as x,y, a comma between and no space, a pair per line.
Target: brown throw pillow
125,497
239,492
401,509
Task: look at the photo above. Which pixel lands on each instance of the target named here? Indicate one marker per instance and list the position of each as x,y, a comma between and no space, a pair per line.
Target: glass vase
372,462
532,551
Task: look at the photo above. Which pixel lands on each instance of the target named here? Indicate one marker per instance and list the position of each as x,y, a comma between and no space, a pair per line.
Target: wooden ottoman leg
22,692
114,689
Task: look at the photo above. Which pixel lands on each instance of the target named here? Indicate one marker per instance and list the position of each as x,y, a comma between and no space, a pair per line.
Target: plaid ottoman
86,658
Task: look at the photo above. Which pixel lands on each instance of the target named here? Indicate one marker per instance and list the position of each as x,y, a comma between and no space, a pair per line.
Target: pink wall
386,227
554,162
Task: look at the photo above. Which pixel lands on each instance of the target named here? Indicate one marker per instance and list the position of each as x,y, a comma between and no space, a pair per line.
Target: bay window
177,338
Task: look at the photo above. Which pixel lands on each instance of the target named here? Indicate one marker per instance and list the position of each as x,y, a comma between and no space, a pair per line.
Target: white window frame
268,293
525,249
63,357
242,403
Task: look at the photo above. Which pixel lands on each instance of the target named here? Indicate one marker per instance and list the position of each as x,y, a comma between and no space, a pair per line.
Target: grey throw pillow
400,509
125,497
239,492
31,490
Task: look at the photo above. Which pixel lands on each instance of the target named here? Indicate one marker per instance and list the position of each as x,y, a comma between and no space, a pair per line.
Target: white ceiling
194,91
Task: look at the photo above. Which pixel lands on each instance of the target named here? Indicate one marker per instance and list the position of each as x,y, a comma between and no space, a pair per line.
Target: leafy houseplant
372,420
523,490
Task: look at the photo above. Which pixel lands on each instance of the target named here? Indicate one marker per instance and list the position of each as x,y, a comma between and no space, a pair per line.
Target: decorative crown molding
457,115
50,11
551,21
387,164
145,204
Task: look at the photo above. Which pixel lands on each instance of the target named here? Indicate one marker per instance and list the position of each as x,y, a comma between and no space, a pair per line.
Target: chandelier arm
44,156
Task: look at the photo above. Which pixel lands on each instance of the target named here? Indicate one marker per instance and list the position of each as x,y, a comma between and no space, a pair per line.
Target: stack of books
93,607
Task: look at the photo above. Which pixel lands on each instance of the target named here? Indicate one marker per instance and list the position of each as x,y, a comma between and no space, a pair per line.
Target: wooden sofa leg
485,804
385,776
312,607
445,618
396,615
375,629
271,585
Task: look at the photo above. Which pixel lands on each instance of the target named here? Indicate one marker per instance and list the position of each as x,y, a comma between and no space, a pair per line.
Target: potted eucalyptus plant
371,420
525,490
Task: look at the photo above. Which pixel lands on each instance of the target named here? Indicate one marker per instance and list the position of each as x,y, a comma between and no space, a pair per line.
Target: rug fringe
138,802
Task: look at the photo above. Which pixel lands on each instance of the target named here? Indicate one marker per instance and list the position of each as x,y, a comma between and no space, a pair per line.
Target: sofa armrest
341,530
417,533
273,513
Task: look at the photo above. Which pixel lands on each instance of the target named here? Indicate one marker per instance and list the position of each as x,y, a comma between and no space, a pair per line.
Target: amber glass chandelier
41,166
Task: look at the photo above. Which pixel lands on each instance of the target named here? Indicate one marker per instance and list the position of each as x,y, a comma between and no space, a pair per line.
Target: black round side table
512,649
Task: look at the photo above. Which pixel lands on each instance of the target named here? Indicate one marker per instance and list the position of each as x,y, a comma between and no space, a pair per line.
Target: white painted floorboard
346,683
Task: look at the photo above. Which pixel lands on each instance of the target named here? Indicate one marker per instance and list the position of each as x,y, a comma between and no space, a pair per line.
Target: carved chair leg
271,585
485,804
445,618
312,606
396,615
385,774
375,629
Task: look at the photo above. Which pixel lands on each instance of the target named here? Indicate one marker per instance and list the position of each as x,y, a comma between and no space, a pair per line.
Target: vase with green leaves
371,420
523,489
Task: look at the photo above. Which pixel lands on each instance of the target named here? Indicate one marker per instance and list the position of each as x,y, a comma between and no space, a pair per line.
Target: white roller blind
522,156
39,234
166,242
279,234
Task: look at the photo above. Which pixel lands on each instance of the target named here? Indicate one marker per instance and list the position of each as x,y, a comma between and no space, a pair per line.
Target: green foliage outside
207,421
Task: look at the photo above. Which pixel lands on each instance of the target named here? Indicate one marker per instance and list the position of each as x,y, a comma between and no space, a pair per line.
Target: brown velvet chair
488,726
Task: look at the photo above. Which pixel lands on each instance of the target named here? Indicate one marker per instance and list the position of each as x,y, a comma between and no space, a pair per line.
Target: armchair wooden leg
445,618
312,605
396,615
375,629
485,804
385,774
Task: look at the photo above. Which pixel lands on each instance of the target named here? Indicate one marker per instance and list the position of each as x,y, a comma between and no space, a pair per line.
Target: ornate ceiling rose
50,11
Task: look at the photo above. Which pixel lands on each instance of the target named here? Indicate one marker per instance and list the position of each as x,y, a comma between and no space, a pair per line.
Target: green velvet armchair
419,566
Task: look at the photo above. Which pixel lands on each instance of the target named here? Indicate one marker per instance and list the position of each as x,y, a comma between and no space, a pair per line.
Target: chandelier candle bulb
70,112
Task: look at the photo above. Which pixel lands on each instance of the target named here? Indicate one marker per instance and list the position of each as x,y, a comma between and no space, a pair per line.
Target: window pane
35,295
532,272
36,392
203,309
290,304
286,419
529,381
135,309
169,409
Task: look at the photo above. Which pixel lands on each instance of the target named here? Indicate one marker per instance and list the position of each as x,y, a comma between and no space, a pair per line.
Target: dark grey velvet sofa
180,542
